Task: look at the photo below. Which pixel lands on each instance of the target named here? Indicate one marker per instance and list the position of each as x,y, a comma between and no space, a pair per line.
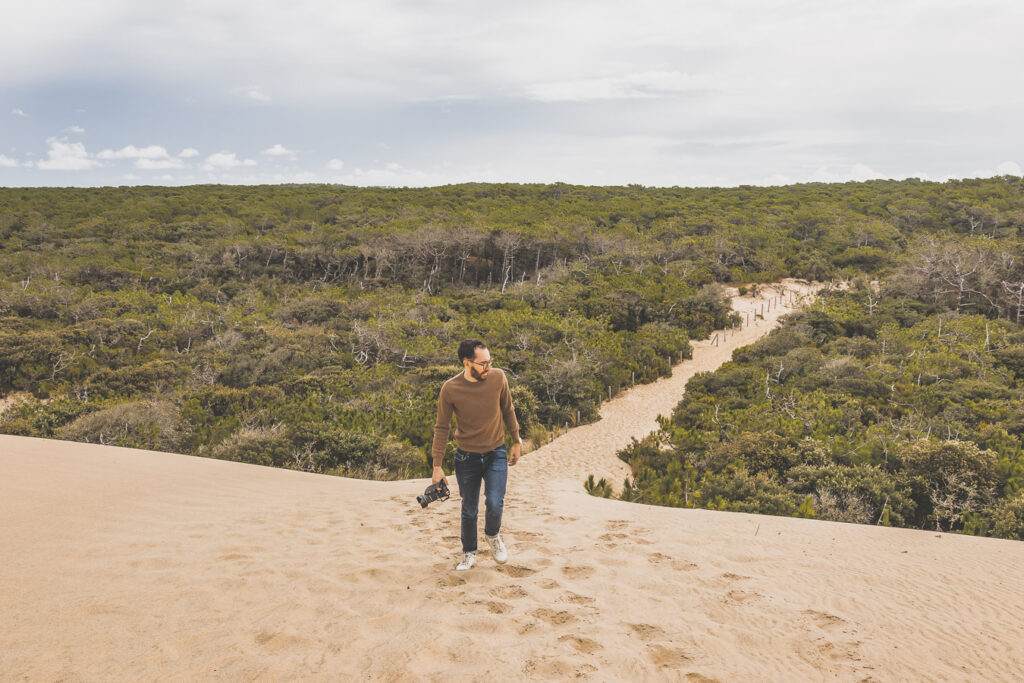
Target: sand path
591,449
121,564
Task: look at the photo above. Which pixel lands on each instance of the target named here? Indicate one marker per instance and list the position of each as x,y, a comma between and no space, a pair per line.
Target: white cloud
253,92
278,150
151,158
1004,168
856,172
18,112
645,85
74,129
225,160
188,153
158,164
1009,168
67,156
7,162
133,152
335,164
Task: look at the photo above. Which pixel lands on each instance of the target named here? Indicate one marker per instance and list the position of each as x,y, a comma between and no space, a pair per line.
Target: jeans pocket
460,456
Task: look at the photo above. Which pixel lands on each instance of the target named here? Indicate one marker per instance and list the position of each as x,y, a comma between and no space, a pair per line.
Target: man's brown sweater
479,409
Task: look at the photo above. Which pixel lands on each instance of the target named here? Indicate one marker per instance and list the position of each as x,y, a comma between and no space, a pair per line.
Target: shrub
537,435
139,424
1008,518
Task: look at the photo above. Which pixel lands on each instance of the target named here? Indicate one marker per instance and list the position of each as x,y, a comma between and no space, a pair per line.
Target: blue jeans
491,468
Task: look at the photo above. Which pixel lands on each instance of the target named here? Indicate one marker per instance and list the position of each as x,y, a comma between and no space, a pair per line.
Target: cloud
19,112
1004,168
278,150
225,160
151,158
856,172
253,92
133,152
645,85
158,164
335,164
188,153
67,156
1009,168
7,162
74,129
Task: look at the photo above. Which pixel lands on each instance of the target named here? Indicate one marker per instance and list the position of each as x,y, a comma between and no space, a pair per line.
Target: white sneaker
497,548
467,561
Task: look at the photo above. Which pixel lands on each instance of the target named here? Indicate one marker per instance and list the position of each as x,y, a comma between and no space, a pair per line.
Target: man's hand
513,455
438,476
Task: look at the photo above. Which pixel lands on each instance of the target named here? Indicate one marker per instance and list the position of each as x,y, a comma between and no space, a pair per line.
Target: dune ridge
126,564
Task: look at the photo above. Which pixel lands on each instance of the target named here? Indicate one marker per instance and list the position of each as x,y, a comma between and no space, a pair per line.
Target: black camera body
438,491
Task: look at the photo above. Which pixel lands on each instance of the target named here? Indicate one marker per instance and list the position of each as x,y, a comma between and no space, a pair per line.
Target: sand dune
121,564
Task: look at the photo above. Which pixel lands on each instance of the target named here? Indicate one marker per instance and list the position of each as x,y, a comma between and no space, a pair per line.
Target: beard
477,375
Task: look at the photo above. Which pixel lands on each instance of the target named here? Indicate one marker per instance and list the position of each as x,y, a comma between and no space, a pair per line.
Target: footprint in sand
646,631
576,598
450,581
516,571
275,642
823,620
831,643
739,596
665,657
577,572
658,558
527,627
526,535
553,617
493,606
683,565
580,644
509,592
548,668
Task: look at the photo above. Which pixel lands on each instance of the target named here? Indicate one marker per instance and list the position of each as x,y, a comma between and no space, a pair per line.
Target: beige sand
121,564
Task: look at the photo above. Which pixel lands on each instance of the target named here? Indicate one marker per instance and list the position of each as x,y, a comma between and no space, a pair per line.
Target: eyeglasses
485,364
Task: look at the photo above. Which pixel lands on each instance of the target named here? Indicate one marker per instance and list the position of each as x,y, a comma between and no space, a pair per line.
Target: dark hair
467,349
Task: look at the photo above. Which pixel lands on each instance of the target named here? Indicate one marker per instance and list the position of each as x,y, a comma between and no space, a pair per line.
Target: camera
438,491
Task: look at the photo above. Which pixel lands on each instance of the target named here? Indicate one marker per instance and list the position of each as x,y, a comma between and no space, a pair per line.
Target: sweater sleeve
508,411
442,427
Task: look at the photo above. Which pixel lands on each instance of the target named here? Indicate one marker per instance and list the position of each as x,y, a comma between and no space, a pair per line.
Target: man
480,399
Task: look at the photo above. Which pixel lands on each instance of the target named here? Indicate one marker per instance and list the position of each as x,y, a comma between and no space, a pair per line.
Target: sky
433,92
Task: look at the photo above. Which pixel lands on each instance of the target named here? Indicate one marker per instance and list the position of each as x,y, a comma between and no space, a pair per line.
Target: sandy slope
123,564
